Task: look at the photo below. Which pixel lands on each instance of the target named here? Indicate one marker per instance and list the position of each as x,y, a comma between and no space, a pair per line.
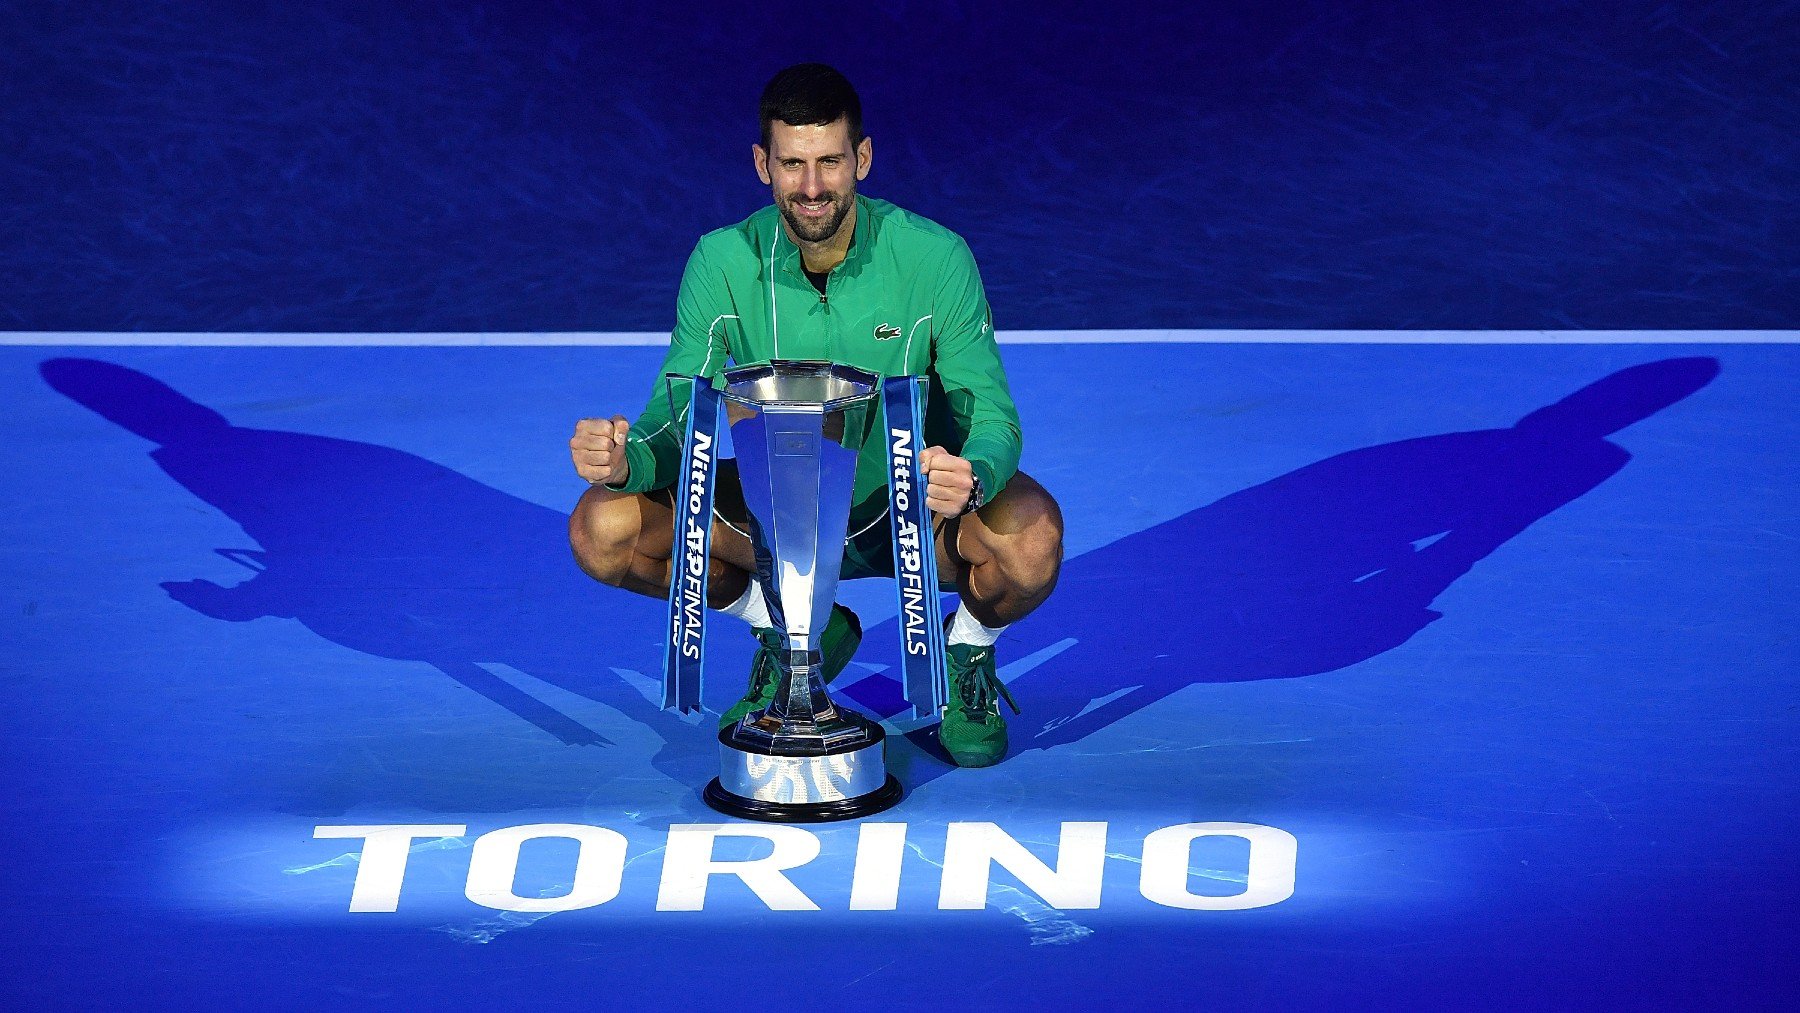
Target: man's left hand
949,481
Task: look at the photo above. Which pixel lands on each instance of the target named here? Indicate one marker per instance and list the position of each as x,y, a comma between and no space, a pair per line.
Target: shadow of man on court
1334,563
1321,568
389,554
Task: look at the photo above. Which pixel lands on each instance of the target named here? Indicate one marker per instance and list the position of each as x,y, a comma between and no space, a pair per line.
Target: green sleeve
696,347
967,363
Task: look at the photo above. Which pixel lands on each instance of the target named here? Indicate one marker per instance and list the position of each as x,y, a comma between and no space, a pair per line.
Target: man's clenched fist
598,448
949,481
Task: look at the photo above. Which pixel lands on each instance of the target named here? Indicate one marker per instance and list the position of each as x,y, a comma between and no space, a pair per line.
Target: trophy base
879,800
802,781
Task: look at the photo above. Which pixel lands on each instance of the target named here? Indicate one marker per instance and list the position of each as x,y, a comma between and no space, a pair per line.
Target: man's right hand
598,448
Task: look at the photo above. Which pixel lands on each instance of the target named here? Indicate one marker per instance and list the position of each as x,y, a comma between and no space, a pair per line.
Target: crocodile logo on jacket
886,332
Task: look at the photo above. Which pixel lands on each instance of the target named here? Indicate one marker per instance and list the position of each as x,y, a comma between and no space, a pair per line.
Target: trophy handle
685,654
925,678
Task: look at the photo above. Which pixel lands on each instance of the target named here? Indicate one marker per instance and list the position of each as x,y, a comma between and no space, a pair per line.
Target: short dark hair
809,93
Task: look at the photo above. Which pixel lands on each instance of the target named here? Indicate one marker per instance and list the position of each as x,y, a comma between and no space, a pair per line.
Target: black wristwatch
977,498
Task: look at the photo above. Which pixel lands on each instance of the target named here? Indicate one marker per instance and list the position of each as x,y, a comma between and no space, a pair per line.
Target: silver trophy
796,428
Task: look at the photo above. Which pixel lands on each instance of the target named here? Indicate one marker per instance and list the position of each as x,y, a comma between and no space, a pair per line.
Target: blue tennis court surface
1498,637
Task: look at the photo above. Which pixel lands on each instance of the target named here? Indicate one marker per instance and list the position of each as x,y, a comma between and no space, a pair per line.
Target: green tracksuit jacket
906,300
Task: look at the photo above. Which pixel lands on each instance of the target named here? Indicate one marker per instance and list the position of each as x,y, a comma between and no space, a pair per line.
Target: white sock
751,608
964,629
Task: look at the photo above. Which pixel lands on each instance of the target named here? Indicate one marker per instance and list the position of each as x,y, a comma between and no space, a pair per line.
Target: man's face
813,172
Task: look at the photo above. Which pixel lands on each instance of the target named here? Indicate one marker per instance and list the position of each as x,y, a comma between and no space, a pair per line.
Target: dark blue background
337,166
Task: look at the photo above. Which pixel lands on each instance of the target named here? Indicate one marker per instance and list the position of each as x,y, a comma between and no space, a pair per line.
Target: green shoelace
976,688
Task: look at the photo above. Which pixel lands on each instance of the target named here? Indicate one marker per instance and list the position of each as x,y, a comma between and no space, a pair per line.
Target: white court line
659,339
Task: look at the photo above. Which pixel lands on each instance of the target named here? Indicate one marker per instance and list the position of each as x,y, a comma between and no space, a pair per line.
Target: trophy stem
800,697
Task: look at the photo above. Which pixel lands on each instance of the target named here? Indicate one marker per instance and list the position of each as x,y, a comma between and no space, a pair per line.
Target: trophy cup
796,429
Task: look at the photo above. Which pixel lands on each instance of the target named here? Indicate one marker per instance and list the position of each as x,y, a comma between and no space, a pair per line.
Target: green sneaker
973,732
843,633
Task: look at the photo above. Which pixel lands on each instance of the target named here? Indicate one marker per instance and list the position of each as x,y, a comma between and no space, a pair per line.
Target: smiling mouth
814,209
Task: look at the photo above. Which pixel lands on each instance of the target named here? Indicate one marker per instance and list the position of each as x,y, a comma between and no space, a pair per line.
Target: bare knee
605,531
1021,533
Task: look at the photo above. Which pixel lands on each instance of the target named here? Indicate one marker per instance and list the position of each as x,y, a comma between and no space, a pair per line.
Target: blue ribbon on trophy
924,681
685,656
